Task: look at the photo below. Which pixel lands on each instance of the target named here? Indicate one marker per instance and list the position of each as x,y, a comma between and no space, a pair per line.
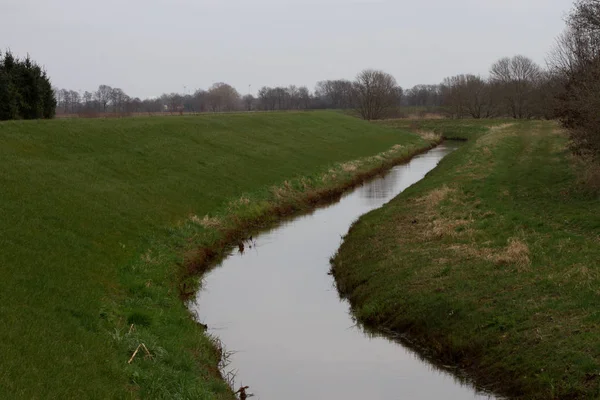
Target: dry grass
434,116
280,192
495,135
443,227
435,197
207,222
148,257
516,253
350,166
429,136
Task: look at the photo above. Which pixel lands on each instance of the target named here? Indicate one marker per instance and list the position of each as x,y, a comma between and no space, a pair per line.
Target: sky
150,47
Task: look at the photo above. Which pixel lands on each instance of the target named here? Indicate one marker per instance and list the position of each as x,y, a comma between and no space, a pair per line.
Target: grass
102,222
490,263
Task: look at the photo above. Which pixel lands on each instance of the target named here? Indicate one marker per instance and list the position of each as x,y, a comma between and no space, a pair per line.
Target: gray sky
148,47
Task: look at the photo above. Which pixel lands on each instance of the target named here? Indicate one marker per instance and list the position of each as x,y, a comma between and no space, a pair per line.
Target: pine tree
25,90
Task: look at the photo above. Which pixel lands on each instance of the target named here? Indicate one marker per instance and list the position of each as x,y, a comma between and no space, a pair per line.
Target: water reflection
294,338
382,188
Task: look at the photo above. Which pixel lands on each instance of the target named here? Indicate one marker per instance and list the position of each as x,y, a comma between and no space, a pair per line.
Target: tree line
516,87
25,90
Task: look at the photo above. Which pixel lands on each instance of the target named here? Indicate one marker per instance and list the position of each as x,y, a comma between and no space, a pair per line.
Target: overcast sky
148,47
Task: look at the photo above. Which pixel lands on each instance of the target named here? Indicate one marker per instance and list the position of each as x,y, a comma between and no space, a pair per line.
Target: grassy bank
102,222
490,264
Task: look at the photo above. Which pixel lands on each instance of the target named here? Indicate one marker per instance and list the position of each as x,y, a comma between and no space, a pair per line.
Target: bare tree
518,77
470,95
75,101
58,95
424,96
249,101
576,62
455,95
65,104
103,95
303,97
87,99
374,93
335,93
223,97
118,99
267,98
201,100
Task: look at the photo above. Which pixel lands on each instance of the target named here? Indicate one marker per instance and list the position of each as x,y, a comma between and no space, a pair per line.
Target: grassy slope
90,233
490,263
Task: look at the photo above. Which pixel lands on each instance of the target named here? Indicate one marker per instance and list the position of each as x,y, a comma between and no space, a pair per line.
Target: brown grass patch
446,228
500,127
148,258
516,253
435,197
495,134
207,222
350,166
430,136
581,274
280,192
470,252
417,116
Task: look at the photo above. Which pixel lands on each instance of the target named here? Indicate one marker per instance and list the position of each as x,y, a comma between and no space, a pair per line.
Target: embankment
103,221
489,264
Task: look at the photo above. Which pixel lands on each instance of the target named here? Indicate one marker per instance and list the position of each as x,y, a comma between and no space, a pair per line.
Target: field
490,263
103,221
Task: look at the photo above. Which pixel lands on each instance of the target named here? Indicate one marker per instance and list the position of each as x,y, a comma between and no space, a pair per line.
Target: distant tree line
516,88
25,90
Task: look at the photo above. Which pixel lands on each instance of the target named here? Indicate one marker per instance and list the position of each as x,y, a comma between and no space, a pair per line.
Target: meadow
105,222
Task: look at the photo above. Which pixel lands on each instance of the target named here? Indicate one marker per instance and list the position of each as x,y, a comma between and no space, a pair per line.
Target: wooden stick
134,354
143,346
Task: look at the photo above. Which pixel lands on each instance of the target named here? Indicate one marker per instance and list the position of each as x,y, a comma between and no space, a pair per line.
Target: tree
470,95
575,64
201,100
267,98
304,98
223,97
335,93
25,90
455,94
248,102
103,96
518,77
87,99
374,93
75,101
424,96
118,99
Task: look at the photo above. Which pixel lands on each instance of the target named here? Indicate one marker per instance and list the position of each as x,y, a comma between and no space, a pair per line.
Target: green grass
95,232
490,263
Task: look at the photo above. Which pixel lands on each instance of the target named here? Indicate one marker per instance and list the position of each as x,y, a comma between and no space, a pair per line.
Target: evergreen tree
25,90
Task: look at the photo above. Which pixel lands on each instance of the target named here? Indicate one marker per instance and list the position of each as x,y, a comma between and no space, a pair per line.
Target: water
293,337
